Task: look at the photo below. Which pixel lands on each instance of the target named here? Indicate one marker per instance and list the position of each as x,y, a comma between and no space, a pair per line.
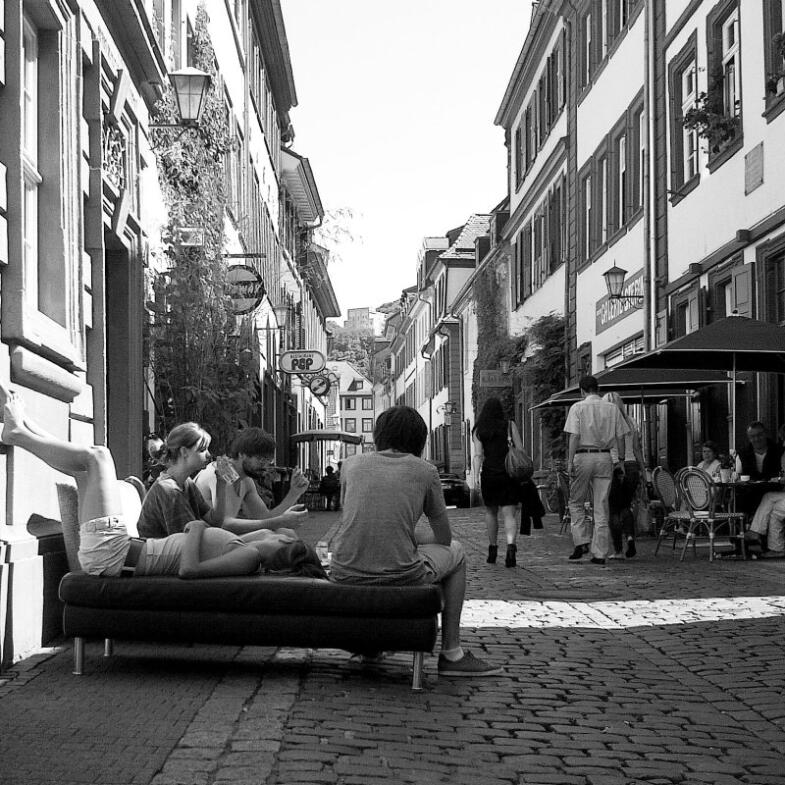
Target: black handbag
517,463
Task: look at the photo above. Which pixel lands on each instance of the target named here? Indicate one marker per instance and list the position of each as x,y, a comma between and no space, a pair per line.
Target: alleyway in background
643,671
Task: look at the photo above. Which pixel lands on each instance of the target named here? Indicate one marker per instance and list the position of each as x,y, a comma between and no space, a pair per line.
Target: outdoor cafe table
734,487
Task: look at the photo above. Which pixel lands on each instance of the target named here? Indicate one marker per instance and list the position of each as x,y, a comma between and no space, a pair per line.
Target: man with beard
250,453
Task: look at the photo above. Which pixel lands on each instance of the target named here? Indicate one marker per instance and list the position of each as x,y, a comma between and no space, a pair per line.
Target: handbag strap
513,437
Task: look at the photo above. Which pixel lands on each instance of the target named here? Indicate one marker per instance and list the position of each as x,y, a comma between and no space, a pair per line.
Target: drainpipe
649,228
649,278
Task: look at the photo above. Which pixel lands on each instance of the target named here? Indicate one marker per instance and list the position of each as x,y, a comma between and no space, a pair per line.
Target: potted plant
775,80
710,117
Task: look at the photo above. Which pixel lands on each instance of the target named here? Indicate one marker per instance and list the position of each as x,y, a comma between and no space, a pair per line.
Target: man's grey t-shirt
384,495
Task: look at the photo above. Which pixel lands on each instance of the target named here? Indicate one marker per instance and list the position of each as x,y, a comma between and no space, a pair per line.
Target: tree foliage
354,346
200,356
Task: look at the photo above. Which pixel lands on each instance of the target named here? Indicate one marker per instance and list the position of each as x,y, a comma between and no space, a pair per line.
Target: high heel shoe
492,551
509,559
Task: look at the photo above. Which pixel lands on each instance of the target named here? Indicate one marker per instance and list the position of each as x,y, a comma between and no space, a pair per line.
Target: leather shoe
579,552
595,560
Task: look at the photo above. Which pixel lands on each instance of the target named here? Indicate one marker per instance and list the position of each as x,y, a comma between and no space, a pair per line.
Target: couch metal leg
78,656
418,661
108,647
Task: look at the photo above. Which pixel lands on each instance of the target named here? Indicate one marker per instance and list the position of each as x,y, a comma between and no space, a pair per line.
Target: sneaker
617,555
595,560
468,665
579,552
631,551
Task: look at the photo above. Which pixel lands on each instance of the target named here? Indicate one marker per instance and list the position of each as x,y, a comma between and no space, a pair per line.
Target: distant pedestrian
595,427
500,492
330,488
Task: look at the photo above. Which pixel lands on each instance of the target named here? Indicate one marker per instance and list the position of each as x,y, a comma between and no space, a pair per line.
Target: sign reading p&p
302,361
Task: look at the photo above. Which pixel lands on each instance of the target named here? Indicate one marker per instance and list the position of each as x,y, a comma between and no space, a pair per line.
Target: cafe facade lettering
609,311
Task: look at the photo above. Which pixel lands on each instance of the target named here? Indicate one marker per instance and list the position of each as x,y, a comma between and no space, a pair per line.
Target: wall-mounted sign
610,311
494,379
319,385
302,361
245,287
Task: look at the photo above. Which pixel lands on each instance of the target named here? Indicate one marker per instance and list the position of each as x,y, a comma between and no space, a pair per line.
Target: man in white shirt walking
595,427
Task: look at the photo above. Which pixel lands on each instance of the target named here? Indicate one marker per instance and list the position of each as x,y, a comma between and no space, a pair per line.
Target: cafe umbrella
732,344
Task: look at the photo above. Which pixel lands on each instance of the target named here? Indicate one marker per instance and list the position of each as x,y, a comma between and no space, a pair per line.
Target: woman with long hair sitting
200,551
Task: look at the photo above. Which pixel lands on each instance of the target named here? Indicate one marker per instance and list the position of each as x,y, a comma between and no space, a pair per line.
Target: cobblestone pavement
642,671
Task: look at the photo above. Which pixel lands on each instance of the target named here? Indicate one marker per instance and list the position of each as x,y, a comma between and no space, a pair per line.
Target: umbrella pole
732,444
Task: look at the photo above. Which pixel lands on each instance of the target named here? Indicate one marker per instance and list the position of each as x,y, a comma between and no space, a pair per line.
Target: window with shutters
684,143
774,56
586,213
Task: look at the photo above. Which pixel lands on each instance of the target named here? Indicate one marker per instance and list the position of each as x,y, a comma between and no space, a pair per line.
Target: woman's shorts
103,545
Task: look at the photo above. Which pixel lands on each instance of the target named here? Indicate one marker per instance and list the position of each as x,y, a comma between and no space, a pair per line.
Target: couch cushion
254,593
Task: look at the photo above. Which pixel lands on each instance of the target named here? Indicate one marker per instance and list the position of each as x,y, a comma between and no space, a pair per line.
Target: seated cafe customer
760,459
768,525
710,463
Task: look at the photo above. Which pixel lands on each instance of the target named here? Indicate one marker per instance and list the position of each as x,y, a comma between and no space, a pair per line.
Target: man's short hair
400,428
756,425
253,442
589,384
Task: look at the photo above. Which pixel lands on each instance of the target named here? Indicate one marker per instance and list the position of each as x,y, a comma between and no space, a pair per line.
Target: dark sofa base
258,610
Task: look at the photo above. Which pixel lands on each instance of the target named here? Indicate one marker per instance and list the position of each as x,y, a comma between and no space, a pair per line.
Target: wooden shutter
742,290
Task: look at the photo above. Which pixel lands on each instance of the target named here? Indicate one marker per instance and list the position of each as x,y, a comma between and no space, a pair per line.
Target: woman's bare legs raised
92,467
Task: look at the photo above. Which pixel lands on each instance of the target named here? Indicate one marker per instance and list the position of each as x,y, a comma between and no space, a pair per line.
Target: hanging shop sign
302,361
245,287
319,385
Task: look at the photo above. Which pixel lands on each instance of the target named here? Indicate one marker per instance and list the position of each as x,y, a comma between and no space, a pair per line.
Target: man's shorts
441,560
103,545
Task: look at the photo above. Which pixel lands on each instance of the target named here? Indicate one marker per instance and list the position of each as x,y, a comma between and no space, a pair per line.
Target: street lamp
190,87
614,282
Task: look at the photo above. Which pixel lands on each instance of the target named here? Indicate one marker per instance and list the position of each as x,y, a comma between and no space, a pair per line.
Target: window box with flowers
712,122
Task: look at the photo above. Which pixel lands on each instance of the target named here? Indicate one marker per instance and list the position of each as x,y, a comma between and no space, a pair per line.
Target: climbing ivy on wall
493,341
544,373
200,358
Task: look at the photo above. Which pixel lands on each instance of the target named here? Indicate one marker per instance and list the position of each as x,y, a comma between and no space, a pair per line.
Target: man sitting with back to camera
383,496
251,451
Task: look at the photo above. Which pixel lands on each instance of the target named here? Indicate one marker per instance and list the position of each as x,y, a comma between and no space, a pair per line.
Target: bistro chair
676,520
702,497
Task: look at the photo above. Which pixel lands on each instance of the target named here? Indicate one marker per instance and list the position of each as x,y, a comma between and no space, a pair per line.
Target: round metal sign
302,361
245,287
319,385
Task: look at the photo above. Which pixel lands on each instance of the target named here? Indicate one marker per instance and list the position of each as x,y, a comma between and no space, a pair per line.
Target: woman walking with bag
500,492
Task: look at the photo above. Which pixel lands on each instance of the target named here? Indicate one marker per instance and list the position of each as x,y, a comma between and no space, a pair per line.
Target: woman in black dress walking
500,492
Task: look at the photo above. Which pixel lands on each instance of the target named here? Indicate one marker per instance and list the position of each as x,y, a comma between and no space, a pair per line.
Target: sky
396,108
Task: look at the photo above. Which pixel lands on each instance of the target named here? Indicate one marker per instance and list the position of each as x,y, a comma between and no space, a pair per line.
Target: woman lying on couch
200,551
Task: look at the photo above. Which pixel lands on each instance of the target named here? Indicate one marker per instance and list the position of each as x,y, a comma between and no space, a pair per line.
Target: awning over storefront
646,383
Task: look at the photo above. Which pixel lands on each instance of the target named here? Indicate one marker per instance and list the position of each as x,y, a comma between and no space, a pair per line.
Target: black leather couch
253,610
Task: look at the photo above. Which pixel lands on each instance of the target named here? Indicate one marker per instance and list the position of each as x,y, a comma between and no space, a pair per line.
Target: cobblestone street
642,671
